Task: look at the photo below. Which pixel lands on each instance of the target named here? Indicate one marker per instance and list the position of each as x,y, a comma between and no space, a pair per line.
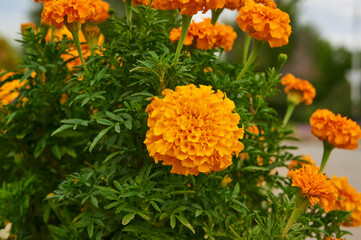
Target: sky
332,18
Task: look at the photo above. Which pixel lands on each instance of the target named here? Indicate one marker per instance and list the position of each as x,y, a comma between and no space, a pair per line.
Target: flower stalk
186,21
129,11
255,50
327,148
74,28
215,15
290,108
301,204
247,41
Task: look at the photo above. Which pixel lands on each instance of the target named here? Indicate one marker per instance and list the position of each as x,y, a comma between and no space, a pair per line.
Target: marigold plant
192,138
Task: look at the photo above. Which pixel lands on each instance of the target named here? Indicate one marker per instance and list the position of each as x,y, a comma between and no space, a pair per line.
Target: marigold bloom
335,129
25,26
58,12
206,35
237,4
307,161
9,90
225,36
193,129
255,130
59,33
101,11
302,87
349,200
332,238
264,23
188,7
315,186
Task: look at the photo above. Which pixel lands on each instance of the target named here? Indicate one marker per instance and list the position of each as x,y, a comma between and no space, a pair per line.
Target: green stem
215,15
301,203
327,148
290,108
247,40
52,33
257,46
186,21
129,11
92,51
78,48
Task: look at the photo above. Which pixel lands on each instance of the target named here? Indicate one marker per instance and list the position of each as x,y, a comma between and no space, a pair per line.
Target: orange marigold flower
58,12
264,23
59,33
332,238
315,186
225,36
255,130
193,129
9,90
349,200
307,161
237,4
189,7
101,11
303,88
335,129
25,26
207,35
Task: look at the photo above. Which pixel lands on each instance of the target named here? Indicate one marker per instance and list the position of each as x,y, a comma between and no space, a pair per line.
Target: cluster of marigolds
195,129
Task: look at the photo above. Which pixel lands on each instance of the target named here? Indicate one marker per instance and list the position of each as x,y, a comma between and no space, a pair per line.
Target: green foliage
79,169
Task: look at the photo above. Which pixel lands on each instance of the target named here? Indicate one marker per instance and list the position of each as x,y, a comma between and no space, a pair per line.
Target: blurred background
324,48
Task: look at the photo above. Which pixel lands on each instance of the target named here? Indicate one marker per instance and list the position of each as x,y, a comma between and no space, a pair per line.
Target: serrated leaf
118,185
113,204
94,201
128,124
172,221
97,138
71,152
185,222
155,205
61,128
39,148
114,116
56,151
127,218
105,122
90,230
117,128
253,169
110,156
